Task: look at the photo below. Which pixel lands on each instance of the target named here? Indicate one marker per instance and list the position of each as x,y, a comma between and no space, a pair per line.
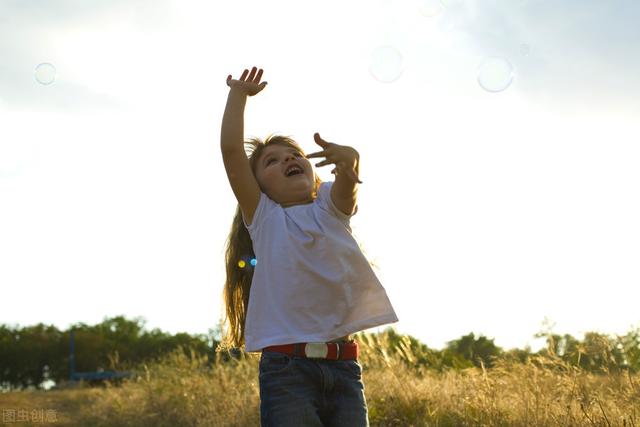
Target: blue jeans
297,391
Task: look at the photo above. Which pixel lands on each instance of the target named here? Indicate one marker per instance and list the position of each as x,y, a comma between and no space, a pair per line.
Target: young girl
297,282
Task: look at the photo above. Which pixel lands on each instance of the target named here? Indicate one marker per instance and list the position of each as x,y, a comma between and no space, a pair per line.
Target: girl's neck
289,204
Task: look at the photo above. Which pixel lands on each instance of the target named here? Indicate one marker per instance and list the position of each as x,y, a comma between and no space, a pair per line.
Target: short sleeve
326,203
265,205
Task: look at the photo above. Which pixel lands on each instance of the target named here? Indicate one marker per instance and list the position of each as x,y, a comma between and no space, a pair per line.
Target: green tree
478,351
629,346
29,355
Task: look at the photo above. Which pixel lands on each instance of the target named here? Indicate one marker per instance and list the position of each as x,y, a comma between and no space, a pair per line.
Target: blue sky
483,211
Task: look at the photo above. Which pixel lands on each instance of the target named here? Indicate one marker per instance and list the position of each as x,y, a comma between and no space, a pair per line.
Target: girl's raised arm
236,163
232,134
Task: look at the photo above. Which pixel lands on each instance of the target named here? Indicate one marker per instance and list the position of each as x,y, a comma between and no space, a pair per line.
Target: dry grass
180,391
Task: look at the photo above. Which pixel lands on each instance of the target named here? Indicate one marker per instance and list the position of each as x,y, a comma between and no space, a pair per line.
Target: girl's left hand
345,158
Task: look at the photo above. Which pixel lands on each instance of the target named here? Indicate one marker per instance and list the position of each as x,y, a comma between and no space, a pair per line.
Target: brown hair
240,247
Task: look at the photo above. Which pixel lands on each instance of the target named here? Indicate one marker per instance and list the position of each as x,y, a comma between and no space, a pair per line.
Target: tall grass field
183,389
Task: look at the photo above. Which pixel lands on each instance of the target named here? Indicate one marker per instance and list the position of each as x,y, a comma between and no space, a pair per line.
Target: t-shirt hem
337,333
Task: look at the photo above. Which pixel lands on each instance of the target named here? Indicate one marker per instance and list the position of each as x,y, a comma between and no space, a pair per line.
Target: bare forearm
232,133
345,186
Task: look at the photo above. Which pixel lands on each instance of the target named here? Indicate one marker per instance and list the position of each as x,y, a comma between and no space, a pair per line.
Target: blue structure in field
104,375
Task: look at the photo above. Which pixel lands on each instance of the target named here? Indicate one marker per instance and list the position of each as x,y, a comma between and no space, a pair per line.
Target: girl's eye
273,160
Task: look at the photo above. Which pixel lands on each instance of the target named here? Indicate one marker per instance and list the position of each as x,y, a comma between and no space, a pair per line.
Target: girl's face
271,174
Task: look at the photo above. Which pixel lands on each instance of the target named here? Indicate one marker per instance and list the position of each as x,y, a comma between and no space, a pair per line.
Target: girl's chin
297,178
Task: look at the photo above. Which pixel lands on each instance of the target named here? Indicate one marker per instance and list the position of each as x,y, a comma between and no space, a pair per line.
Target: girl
311,286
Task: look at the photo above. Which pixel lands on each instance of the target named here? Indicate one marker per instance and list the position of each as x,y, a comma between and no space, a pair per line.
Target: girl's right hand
248,85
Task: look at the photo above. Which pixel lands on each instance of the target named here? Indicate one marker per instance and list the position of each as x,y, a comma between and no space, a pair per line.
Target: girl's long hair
239,247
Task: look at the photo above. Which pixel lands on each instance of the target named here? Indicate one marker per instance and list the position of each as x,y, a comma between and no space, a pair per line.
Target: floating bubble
495,74
386,64
430,8
45,73
525,49
254,262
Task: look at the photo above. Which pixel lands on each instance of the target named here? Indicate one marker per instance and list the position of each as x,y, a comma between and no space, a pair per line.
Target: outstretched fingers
317,154
319,140
258,76
324,162
253,76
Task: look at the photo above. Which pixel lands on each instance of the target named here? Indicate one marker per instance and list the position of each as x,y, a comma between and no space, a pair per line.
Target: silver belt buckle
316,350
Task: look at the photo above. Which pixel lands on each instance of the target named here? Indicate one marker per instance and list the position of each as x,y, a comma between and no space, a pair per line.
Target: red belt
319,350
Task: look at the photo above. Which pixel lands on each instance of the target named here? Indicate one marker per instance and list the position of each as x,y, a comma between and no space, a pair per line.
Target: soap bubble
525,49
45,73
386,64
430,8
495,74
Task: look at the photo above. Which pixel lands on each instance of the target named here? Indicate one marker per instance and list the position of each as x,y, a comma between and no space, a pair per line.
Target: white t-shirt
311,282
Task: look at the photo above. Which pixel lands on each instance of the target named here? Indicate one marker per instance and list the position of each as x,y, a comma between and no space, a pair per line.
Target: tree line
31,355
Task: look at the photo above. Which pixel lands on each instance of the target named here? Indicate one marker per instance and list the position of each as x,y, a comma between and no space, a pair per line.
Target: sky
499,144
